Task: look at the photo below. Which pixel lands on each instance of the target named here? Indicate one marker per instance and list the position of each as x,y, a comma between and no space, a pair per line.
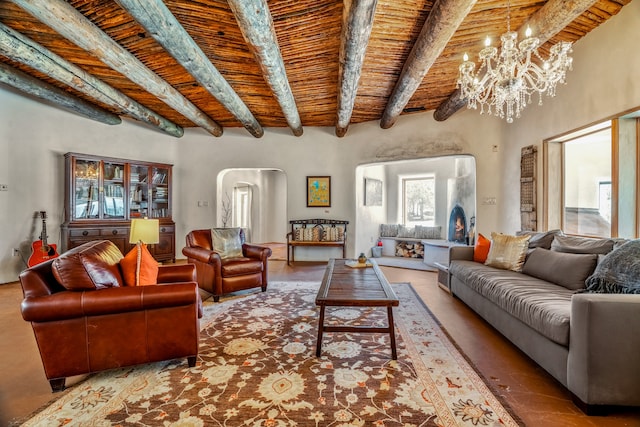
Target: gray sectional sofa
590,342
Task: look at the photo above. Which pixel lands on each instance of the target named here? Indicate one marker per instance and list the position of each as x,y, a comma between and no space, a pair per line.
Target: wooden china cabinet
102,195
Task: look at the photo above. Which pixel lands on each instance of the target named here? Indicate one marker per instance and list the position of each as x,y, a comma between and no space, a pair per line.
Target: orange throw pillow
139,268
480,250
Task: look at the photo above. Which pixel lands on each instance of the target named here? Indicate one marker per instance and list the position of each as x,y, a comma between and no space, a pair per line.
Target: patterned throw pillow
408,232
389,230
227,242
425,232
507,252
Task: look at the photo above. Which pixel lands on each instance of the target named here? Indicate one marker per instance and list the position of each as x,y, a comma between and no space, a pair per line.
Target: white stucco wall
34,136
604,82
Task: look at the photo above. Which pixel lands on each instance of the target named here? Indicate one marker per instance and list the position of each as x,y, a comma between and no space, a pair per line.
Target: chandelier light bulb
527,33
487,42
465,57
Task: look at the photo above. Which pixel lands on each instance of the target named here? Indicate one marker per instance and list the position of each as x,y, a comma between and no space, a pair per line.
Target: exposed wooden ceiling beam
24,50
256,24
163,26
443,20
356,30
43,90
548,21
66,20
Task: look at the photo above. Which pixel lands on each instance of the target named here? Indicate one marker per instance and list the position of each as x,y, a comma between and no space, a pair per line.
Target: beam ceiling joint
548,21
164,27
256,24
356,31
444,19
75,27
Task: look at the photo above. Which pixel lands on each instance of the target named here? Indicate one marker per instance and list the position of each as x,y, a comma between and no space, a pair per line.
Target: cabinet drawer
84,233
110,232
166,228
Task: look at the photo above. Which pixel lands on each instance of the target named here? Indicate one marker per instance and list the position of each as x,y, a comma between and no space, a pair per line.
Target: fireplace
461,204
457,225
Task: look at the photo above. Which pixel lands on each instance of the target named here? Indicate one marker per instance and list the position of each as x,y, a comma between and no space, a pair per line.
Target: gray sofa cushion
542,305
581,245
540,239
564,269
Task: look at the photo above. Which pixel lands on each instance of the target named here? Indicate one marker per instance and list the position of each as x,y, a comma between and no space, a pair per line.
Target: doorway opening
445,196
254,199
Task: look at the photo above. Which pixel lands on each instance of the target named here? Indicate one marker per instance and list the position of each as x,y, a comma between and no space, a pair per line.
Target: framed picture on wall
372,192
318,191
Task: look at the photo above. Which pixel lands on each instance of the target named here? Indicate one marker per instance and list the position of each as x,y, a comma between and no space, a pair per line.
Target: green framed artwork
318,191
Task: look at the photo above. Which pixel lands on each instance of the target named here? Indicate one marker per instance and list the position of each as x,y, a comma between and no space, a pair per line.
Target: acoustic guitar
41,251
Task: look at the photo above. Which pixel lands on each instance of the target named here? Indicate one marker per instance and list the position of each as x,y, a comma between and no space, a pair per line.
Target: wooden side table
443,276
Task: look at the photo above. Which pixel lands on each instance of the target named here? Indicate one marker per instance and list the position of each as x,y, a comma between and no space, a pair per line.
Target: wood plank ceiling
258,64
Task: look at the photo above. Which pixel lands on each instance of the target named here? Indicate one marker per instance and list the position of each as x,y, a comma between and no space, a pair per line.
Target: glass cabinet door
113,190
160,193
138,191
86,189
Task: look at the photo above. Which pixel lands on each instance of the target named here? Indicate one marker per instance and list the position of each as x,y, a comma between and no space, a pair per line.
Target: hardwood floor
535,396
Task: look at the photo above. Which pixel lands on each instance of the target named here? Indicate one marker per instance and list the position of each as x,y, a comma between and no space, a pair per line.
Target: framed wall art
372,192
318,191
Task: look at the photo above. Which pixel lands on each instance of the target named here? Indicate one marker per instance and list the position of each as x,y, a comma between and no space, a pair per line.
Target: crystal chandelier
506,80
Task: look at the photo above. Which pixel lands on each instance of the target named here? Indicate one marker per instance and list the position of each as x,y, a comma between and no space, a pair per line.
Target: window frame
625,137
403,198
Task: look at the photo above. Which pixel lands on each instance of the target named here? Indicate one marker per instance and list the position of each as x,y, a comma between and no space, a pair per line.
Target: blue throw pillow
618,272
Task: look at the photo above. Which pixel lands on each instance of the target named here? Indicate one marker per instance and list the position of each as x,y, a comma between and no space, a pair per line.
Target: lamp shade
145,231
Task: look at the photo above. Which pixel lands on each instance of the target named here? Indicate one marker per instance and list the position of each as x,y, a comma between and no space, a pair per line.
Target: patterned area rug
257,367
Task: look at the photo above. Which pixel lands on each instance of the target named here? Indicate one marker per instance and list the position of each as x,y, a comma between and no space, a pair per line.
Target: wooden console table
343,286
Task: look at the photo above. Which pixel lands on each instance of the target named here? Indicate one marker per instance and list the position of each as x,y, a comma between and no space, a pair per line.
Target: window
587,184
591,179
418,195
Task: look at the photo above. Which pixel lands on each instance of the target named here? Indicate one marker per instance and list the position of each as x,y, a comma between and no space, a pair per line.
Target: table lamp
144,230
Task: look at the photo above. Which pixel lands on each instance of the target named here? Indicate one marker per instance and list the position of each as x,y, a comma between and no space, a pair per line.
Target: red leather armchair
222,276
84,321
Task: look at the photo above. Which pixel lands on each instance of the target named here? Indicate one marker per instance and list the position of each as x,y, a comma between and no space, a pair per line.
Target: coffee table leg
392,333
320,330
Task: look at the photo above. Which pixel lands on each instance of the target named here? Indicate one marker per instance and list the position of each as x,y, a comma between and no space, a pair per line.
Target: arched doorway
254,199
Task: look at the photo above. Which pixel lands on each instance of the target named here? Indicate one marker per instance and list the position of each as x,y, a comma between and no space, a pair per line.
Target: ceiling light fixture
506,80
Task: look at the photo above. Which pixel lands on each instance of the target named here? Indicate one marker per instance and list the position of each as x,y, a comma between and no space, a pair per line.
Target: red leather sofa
85,320
222,276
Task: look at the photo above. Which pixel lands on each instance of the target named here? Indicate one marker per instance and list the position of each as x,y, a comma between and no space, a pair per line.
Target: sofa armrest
200,254
176,273
603,350
256,251
72,304
462,253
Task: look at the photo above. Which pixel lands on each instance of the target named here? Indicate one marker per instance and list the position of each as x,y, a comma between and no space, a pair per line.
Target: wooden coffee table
344,286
